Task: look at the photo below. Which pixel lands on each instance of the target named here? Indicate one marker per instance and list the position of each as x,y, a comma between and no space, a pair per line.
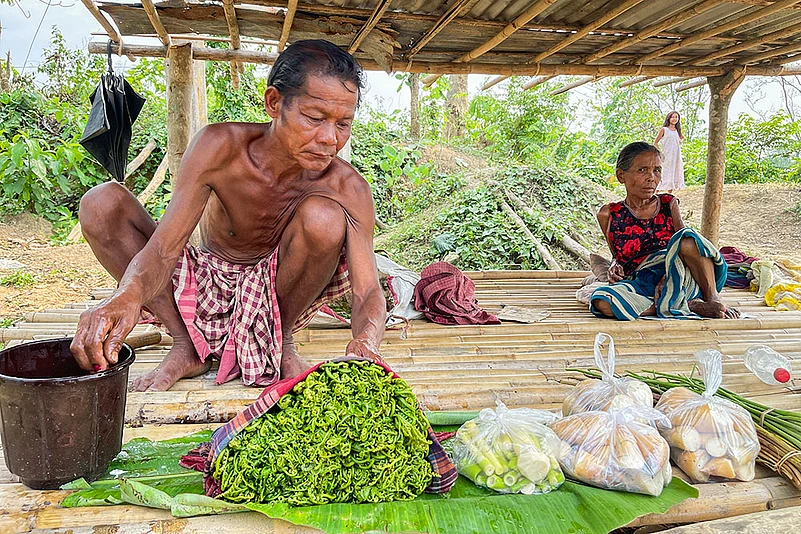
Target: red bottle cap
781,375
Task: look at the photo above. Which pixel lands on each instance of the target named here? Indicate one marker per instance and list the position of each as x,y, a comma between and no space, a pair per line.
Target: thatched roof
585,37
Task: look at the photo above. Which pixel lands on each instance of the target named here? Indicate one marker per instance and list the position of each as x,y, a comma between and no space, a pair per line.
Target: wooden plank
380,8
462,6
153,15
289,17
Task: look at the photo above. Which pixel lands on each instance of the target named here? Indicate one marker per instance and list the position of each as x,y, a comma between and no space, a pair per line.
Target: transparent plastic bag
609,392
509,451
616,450
710,436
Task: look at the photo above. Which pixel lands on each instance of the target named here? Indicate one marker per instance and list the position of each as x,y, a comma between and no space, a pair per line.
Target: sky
19,35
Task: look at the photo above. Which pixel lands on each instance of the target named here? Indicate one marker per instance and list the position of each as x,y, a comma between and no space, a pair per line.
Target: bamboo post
414,106
291,7
200,112
722,89
179,71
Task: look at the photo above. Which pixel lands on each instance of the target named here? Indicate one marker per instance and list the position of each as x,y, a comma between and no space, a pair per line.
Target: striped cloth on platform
231,312
202,458
631,297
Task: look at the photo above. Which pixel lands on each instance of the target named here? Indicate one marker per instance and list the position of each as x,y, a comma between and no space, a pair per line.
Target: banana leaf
154,463
574,508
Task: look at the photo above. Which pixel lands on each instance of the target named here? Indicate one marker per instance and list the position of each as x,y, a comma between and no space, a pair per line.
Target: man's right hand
615,272
101,332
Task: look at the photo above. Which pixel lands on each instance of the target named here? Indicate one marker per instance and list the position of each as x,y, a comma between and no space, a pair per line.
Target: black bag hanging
115,107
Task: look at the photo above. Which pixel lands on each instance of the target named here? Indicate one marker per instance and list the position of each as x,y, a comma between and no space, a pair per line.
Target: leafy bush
18,279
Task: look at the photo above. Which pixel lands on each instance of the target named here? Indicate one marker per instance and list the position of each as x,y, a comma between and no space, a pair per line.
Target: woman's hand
615,272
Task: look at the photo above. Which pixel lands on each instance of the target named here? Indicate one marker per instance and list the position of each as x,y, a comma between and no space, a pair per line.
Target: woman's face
643,176
674,118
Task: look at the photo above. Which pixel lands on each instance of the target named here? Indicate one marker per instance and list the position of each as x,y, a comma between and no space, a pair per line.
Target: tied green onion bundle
349,432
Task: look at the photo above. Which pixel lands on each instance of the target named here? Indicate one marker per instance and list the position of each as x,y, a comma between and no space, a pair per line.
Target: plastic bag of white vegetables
609,392
616,450
710,436
509,451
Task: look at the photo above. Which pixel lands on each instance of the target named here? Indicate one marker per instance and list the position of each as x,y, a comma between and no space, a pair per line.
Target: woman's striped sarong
631,297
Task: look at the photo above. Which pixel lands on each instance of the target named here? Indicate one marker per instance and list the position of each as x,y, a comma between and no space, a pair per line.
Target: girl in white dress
672,164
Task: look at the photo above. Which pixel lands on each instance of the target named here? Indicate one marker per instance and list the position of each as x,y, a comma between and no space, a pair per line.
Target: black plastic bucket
58,422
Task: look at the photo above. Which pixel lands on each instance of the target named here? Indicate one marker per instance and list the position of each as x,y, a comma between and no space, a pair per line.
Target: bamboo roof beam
699,83
577,83
495,81
111,30
669,81
521,20
456,10
739,21
745,45
380,8
291,8
635,81
769,54
537,81
583,32
233,31
654,29
153,15
267,58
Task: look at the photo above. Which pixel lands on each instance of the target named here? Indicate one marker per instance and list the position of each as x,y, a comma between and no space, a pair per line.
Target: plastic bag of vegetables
509,451
615,450
344,431
710,436
609,392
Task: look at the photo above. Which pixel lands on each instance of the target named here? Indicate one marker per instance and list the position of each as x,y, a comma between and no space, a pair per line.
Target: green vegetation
556,153
18,279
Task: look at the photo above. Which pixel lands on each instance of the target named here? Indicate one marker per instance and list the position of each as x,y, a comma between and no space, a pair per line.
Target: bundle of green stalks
779,431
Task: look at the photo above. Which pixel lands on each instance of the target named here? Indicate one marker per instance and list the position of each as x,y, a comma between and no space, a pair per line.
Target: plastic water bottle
769,366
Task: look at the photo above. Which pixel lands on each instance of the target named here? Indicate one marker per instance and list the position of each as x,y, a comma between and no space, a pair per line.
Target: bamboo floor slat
449,368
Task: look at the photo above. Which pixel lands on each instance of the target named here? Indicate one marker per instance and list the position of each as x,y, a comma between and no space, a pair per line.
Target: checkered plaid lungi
231,312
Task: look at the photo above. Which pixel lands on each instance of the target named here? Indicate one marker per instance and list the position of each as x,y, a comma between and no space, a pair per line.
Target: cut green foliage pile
348,433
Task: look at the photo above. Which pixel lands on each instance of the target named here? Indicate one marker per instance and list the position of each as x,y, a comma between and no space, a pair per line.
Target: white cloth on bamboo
672,164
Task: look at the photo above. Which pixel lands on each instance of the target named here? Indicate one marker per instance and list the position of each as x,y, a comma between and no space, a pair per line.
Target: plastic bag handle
607,367
711,363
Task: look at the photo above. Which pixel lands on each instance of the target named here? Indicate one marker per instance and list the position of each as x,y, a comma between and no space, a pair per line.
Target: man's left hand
363,348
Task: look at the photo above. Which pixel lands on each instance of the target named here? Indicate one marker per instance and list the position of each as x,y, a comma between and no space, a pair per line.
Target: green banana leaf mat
147,473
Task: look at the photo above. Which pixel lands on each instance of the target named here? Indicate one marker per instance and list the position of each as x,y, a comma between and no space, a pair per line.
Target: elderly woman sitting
659,267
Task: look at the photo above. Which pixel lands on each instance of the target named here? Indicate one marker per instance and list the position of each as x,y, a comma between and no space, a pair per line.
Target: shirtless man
283,222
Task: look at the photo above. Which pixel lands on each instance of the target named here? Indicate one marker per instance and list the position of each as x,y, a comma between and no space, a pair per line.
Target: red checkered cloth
446,296
202,458
231,312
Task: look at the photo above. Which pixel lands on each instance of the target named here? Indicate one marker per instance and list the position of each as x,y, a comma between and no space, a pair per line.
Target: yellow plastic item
784,297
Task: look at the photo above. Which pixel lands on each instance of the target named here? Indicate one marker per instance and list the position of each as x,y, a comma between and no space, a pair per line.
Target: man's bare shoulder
349,178
222,134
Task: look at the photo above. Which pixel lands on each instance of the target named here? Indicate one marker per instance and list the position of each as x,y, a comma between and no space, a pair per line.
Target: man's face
315,124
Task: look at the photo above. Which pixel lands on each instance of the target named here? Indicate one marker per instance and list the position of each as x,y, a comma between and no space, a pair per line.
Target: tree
457,104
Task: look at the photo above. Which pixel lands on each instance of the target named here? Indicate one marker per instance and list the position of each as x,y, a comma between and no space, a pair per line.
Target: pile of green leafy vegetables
349,432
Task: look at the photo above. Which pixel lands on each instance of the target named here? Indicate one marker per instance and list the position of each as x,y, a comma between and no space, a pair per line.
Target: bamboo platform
450,368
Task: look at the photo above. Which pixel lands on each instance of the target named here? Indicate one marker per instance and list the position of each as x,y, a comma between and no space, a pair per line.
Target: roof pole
722,89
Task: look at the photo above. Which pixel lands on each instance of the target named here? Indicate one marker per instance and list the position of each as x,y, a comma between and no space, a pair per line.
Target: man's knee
101,205
322,223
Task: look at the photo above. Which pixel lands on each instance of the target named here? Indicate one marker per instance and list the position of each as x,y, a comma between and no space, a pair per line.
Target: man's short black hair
315,57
